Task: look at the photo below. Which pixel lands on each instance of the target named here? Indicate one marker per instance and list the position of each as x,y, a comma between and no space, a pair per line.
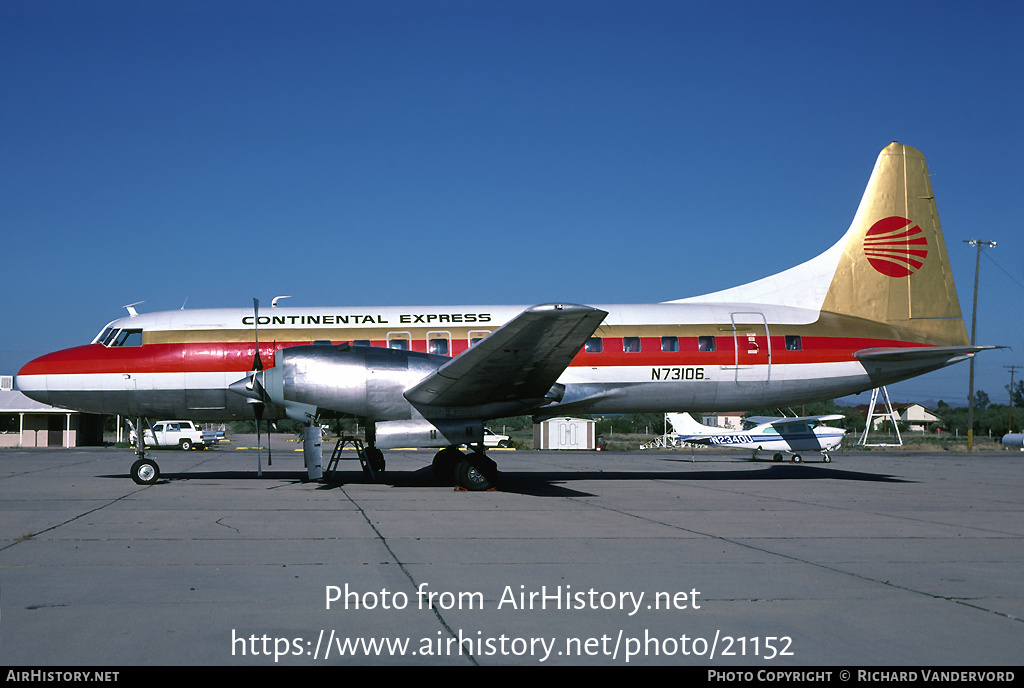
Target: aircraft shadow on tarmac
539,483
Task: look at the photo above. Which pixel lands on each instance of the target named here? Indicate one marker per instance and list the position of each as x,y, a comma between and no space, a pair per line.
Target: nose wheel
145,471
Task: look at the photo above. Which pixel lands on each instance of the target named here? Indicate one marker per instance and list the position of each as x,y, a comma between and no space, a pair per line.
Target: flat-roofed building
25,422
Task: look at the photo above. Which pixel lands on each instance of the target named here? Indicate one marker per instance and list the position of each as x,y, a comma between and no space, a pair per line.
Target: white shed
565,433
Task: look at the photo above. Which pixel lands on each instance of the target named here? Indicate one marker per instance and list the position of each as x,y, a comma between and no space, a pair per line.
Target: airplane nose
31,382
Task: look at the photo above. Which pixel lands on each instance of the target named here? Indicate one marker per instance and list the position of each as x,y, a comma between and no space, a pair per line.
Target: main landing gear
474,472
798,459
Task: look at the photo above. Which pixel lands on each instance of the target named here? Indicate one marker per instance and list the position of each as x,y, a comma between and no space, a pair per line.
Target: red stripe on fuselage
236,357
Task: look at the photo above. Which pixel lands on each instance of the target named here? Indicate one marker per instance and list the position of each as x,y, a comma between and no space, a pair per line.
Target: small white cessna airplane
789,435
878,307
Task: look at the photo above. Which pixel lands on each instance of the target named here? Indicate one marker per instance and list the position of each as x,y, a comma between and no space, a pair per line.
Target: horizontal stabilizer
898,354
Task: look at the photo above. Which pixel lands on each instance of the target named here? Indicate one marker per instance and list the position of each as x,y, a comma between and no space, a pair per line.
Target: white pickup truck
174,433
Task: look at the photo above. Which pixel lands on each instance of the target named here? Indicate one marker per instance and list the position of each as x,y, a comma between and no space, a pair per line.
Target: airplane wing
805,419
520,360
753,421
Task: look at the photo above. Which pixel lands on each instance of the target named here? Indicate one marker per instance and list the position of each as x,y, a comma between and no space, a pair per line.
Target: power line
1012,278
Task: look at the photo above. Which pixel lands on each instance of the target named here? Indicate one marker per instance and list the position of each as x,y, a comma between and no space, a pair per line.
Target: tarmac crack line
826,567
902,517
405,571
55,526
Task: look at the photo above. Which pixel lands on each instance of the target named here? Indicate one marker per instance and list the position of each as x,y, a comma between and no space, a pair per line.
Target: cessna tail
878,307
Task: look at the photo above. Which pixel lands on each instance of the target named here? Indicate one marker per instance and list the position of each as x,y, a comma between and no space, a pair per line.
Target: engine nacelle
424,433
357,380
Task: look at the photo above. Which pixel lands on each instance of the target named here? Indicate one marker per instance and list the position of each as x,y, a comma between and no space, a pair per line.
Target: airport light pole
974,322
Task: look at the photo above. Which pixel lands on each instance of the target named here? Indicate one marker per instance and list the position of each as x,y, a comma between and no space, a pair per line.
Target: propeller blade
255,385
257,364
257,410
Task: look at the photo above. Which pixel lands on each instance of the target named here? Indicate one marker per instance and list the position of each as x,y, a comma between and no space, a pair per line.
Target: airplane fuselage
643,358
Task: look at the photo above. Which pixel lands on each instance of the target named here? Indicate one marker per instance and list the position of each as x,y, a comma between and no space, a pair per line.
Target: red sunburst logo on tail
894,248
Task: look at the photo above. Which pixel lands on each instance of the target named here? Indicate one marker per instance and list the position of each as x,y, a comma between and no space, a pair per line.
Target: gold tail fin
894,267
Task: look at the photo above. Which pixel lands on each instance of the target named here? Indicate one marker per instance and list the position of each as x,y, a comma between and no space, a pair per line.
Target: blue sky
464,152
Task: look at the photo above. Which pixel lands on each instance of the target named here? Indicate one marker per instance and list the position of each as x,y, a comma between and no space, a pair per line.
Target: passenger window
706,344
476,335
669,344
631,345
399,340
793,343
361,342
438,346
594,345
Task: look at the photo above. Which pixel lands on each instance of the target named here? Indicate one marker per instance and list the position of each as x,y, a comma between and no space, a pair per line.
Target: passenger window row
631,345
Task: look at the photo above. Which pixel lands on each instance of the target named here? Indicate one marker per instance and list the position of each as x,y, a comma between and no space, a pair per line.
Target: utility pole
974,321
1012,368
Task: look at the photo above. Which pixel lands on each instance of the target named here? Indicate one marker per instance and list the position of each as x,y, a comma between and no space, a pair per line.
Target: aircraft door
753,351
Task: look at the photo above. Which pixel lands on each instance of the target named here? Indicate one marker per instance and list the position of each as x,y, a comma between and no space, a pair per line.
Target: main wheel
444,464
145,472
474,474
373,463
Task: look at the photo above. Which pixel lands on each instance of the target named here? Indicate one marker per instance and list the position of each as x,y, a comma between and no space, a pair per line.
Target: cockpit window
103,336
112,337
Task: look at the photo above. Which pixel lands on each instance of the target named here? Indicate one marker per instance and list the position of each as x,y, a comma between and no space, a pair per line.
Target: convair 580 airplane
878,307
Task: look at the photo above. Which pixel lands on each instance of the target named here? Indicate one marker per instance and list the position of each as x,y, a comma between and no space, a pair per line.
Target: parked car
183,434
493,439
